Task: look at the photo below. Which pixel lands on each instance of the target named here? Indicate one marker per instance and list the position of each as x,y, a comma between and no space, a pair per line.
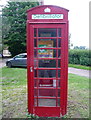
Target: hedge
81,57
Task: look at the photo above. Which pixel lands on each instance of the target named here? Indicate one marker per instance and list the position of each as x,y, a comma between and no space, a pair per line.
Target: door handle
31,69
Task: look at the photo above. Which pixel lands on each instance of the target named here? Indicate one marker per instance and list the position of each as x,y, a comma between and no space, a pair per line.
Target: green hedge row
81,57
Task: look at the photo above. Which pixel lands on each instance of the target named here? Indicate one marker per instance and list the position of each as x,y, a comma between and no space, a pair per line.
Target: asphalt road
80,72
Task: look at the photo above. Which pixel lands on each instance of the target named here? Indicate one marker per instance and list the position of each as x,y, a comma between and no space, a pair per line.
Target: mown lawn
80,66
14,94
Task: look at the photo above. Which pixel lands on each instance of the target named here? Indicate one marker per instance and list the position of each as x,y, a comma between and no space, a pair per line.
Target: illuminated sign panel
47,16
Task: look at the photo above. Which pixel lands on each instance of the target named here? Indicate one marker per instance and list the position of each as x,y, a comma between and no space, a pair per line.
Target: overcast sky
78,19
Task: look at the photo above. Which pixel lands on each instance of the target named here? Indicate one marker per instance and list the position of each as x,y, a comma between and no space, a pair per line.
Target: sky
78,19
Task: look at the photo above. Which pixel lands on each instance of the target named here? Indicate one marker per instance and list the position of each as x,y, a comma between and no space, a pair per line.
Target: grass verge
80,66
14,94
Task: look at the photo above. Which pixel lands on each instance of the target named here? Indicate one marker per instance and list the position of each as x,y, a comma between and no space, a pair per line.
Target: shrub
82,57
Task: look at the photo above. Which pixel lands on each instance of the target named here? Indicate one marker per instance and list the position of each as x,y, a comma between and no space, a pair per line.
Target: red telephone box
47,61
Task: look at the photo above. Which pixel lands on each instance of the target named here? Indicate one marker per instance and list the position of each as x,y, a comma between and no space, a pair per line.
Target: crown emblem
47,10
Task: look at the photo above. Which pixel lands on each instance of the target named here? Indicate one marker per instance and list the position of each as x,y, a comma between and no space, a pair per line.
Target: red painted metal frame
63,24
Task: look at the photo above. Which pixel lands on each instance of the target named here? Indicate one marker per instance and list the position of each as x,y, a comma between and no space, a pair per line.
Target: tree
5,29
80,47
0,36
14,18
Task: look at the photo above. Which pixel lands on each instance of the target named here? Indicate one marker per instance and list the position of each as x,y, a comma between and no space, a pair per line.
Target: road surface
2,62
80,72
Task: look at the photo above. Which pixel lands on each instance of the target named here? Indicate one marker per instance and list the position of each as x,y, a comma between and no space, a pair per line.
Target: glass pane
58,91
59,42
59,65
35,73
36,83
47,92
46,53
47,32
47,102
59,32
35,92
58,83
59,72
58,102
35,102
35,32
47,63
35,43
59,53
35,53
35,63
47,73
47,43
46,83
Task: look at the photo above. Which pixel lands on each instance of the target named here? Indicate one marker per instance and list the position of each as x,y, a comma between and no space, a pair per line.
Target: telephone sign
47,16
47,60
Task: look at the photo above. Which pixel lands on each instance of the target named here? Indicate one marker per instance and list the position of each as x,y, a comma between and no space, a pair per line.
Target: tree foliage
14,18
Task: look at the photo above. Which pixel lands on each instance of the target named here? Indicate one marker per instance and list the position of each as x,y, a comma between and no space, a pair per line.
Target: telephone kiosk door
46,68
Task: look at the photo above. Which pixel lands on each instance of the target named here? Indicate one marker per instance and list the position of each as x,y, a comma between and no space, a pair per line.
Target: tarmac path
80,72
